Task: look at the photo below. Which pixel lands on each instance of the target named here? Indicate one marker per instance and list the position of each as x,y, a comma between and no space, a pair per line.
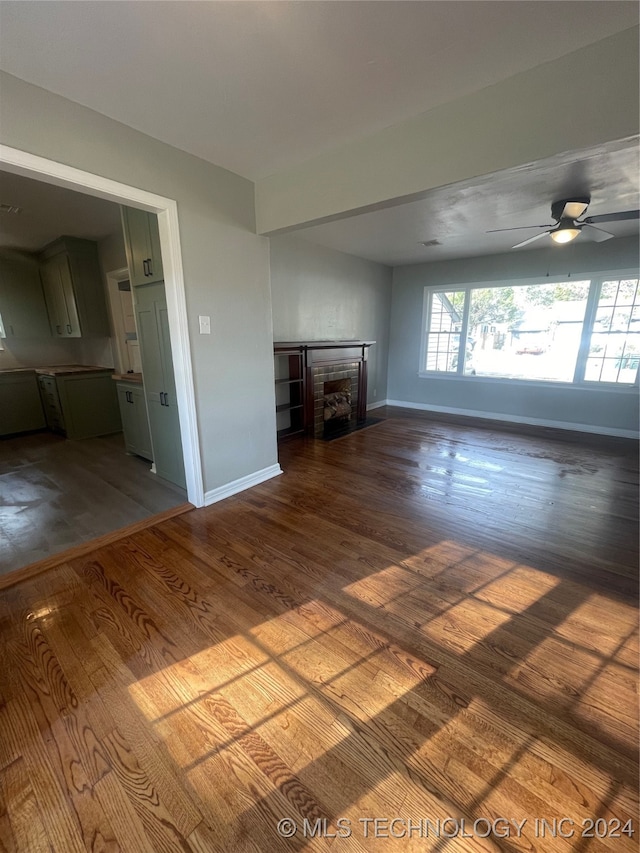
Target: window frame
596,280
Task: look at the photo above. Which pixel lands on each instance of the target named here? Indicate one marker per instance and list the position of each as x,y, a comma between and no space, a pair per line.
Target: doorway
59,174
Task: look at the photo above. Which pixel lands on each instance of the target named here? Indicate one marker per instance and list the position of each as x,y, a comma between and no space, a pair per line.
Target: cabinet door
155,260
145,299
167,445
128,417
22,305
135,423
20,406
135,224
142,241
142,424
159,383
89,404
71,310
54,297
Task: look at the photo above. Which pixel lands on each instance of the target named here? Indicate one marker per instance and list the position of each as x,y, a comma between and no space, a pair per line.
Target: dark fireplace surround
335,384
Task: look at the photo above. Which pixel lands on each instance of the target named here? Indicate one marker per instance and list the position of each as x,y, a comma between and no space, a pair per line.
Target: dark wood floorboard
426,621
55,494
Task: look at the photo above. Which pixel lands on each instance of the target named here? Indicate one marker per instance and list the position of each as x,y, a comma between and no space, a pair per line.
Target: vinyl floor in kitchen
55,494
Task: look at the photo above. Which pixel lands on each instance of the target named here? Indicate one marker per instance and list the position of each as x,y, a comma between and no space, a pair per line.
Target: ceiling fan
568,225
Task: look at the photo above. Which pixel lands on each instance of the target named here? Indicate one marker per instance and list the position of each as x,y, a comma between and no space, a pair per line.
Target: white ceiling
459,216
257,86
47,212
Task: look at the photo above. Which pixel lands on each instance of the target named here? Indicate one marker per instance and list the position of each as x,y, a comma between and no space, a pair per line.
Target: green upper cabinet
73,289
142,241
23,311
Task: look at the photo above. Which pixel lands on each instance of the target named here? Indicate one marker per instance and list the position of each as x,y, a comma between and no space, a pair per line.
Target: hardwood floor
422,621
55,494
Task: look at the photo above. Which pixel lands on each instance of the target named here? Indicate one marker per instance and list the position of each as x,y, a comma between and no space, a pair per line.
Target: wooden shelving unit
290,390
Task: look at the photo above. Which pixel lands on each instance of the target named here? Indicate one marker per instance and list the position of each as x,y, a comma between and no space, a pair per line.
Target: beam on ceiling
586,98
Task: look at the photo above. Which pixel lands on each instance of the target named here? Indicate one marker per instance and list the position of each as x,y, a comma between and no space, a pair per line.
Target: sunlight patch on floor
518,589
457,565
380,588
221,662
465,625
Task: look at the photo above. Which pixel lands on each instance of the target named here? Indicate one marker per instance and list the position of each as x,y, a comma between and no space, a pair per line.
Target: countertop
58,369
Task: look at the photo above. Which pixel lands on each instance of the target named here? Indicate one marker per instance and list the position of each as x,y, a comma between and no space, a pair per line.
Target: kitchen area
89,429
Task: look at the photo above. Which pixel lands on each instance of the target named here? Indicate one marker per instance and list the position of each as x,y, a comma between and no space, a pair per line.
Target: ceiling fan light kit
568,225
565,232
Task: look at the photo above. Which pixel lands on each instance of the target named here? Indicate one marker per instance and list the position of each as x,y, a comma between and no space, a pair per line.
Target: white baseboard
377,405
516,419
241,484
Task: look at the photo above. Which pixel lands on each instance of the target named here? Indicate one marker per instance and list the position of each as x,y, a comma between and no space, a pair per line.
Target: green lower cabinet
82,405
135,423
89,405
167,445
20,406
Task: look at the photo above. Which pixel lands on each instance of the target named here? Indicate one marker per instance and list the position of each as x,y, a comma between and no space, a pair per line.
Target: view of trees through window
560,332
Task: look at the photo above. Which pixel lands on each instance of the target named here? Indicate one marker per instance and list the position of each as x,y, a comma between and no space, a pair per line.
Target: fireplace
334,383
336,378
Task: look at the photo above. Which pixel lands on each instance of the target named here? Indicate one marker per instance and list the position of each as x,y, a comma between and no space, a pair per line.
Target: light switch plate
205,325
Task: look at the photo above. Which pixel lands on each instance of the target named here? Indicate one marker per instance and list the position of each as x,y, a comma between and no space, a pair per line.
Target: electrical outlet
205,325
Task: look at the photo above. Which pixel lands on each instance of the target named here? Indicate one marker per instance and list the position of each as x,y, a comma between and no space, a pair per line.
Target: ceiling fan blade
519,228
613,217
530,240
595,234
573,209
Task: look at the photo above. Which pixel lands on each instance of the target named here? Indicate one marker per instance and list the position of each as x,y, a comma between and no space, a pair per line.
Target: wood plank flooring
55,494
425,622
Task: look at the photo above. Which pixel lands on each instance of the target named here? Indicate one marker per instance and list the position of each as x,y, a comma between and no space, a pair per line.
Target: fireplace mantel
321,345
316,356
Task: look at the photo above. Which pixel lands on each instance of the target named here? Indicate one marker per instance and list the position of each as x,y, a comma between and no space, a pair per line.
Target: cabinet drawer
51,399
55,419
48,383
51,403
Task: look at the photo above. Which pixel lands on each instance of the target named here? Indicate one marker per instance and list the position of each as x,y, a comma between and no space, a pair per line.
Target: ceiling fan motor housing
569,208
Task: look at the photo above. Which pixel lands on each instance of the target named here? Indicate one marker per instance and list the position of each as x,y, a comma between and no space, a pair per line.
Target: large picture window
565,331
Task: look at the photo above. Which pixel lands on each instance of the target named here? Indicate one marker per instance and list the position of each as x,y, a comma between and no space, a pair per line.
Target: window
563,331
445,323
614,350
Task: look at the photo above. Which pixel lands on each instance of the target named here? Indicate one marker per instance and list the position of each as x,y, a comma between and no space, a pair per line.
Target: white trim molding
516,419
377,405
241,484
51,172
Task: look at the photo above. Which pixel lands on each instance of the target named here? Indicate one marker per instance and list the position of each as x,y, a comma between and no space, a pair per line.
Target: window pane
443,330
526,332
614,348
